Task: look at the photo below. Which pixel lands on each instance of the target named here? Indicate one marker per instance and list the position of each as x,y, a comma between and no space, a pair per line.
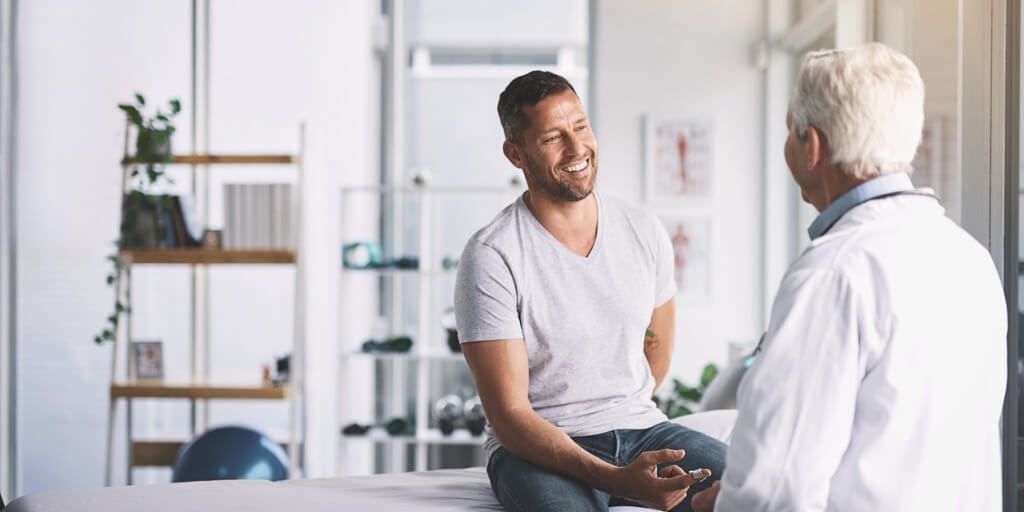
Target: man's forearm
659,340
657,358
527,435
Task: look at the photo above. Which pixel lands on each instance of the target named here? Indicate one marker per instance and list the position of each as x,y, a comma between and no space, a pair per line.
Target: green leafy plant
152,152
109,330
153,137
681,399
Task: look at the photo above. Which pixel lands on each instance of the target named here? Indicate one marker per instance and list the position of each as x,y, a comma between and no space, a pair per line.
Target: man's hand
641,481
704,501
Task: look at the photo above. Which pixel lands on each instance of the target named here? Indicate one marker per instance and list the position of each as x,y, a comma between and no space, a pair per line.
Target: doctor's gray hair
867,101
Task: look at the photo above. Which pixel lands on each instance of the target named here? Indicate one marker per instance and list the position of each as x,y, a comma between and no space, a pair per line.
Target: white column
345,150
200,314
7,248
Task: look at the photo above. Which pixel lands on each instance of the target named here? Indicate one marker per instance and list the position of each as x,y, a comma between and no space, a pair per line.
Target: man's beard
564,189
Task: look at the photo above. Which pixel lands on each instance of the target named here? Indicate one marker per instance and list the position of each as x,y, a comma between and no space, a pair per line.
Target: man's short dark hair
525,91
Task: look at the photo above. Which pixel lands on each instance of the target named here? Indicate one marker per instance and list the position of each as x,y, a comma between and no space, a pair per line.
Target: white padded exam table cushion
454,490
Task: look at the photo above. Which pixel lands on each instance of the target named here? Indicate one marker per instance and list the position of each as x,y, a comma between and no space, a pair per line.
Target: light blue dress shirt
884,185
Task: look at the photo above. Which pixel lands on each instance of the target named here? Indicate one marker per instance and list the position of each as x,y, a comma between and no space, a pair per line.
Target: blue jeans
523,487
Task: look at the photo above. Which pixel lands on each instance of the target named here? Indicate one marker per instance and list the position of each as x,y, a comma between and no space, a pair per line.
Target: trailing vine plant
152,152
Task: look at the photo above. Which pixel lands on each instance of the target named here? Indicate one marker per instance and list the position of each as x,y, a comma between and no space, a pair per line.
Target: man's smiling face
558,148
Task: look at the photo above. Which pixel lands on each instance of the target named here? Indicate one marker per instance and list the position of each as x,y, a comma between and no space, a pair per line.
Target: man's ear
513,154
817,149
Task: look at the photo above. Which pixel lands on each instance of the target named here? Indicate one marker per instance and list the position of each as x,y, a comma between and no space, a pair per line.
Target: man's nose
575,146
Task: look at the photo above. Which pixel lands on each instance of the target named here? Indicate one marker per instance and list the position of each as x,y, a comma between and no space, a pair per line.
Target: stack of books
159,222
259,216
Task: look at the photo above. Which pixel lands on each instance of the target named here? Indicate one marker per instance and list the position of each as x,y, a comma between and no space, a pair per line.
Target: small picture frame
213,238
147,360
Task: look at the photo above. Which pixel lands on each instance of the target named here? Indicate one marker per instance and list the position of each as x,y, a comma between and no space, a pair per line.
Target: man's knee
543,491
522,486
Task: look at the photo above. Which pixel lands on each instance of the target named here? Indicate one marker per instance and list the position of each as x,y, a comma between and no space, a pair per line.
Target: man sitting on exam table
552,301
880,381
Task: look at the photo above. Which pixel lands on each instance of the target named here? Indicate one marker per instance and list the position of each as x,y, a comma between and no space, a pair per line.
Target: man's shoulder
616,206
636,217
498,234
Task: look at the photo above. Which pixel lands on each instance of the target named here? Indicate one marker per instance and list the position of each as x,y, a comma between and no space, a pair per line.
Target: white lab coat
881,381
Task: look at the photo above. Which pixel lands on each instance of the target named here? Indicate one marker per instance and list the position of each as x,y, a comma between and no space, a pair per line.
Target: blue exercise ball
230,453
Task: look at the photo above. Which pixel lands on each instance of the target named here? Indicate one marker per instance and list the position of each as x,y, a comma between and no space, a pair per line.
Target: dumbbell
447,411
473,415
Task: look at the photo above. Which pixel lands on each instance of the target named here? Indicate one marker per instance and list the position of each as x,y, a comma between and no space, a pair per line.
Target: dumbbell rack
358,381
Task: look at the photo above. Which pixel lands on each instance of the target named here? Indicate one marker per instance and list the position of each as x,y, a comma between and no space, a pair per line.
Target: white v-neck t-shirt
582,318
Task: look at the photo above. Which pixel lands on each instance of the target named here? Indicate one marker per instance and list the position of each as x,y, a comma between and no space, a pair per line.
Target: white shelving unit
428,348
201,387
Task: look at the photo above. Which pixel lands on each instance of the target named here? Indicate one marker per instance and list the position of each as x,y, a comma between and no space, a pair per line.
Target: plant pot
146,222
153,145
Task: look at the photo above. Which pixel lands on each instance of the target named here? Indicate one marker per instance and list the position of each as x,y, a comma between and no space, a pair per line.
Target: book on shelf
158,221
193,227
259,216
177,222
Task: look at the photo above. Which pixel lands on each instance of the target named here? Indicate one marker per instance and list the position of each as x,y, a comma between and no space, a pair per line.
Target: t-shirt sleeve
664,265
485,296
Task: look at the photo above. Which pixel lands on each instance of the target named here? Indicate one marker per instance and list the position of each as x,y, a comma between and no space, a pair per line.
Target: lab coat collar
886,184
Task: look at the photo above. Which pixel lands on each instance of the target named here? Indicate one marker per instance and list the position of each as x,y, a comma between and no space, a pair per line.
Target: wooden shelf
195,159
163,453
155,389
208,256
155,453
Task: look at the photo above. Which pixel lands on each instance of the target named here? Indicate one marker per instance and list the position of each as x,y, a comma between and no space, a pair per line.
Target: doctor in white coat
880,382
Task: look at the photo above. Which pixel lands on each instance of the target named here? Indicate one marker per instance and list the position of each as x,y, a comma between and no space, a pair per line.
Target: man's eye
581,127
552,139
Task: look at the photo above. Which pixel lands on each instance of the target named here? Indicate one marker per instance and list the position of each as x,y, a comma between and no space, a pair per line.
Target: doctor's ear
513,154
816,147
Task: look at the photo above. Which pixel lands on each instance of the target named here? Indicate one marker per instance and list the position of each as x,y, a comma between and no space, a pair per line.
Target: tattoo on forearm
650,339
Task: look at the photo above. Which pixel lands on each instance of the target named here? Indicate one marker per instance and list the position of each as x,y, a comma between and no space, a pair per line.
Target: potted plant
153,134
141,220
681,399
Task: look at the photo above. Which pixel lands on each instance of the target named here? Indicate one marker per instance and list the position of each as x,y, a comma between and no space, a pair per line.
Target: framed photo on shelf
678,159
691,243
147,360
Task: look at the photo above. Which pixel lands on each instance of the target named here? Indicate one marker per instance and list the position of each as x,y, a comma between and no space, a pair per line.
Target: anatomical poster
679,160
691,244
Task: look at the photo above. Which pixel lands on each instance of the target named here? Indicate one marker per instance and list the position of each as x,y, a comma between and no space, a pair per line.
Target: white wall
273,64
77,61
690,59
933,32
